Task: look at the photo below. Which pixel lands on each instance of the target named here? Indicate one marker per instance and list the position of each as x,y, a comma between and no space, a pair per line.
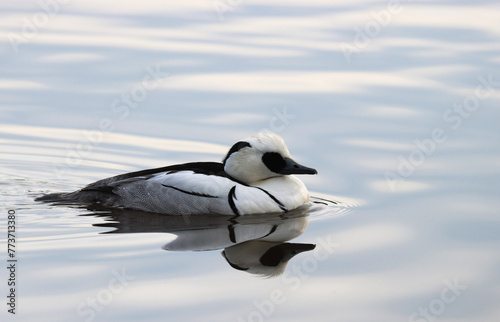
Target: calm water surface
396,104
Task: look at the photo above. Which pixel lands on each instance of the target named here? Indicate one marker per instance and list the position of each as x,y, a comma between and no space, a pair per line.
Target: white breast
289,191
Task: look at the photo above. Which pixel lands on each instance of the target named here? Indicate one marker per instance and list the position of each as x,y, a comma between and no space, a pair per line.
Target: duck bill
292,167
293,249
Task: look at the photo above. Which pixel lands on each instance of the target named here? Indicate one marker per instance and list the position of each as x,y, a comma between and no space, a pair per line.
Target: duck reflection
256,244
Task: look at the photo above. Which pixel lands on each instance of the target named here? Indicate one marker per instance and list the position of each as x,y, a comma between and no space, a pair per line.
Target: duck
256,176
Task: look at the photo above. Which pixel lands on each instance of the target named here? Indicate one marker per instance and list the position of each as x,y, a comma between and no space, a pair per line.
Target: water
396,105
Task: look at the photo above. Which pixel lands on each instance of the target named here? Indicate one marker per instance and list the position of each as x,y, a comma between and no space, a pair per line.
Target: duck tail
56,197
85,195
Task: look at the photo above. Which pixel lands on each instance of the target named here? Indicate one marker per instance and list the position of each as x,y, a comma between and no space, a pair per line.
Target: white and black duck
256,176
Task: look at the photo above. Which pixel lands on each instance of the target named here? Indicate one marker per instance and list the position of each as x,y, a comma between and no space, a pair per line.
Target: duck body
253,178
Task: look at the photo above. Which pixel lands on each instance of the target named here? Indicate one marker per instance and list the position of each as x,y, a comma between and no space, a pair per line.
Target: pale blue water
395,104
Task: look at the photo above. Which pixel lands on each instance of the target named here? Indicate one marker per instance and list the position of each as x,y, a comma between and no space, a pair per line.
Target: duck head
261,157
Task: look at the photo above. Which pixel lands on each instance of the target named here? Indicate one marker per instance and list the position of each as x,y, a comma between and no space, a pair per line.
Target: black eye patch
273,161
273,256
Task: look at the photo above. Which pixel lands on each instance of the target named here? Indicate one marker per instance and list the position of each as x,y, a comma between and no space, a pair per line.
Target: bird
256,176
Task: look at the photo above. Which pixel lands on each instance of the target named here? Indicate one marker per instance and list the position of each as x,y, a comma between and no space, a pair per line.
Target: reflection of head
262,257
